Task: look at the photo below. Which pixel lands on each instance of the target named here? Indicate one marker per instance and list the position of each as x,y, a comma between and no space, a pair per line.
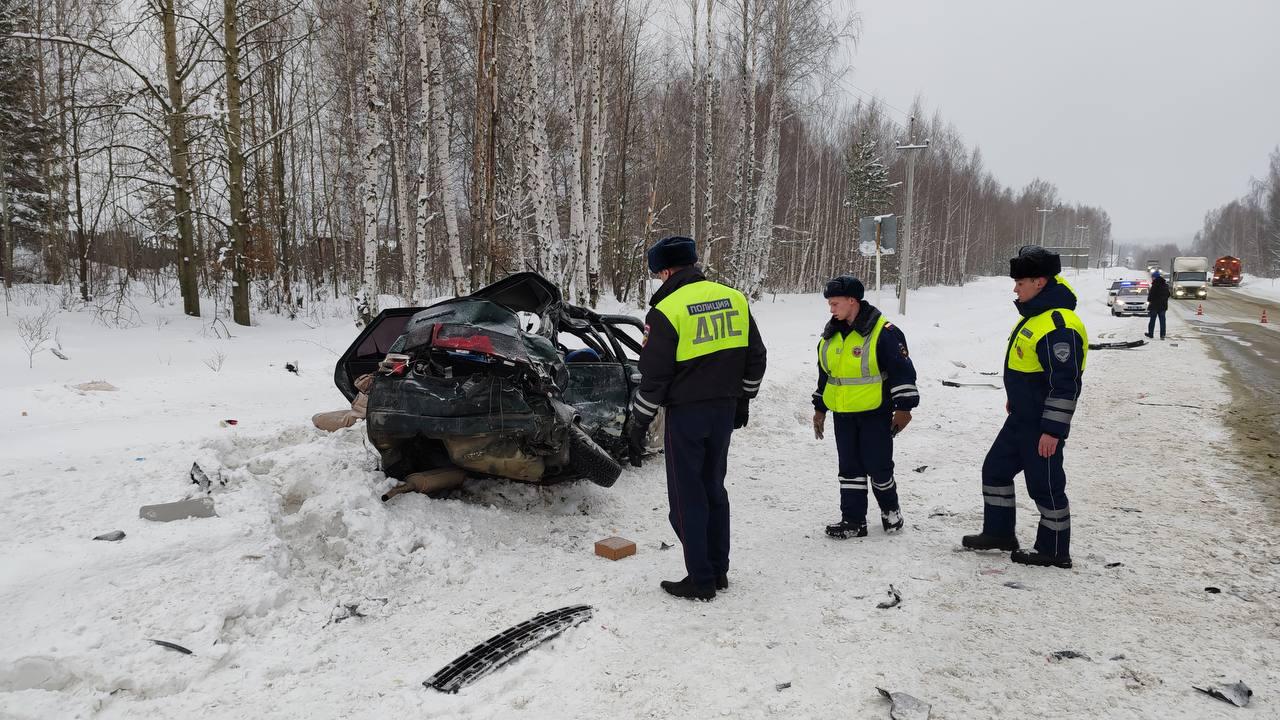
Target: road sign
888,234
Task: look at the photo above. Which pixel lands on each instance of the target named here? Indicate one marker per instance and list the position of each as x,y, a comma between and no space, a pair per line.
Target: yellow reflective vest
1022,356
708,317
854,380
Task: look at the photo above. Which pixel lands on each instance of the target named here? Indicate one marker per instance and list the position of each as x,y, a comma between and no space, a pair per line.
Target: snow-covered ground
264,594
1259,287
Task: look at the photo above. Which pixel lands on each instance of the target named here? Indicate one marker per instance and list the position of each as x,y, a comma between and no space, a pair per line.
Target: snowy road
309,598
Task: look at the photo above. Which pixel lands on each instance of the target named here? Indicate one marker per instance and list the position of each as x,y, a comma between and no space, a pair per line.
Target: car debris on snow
171,646
113,536
782,686
895,599
1060,655
180,510
1118,345
1237,694
505,647
905,707
969,383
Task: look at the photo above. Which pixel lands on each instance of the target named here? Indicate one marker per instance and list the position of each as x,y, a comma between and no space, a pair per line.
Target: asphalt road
1250,353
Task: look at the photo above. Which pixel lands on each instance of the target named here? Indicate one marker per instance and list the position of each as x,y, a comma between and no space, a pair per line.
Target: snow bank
307,597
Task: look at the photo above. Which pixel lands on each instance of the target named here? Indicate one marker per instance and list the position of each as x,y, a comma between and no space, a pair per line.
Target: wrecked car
510,381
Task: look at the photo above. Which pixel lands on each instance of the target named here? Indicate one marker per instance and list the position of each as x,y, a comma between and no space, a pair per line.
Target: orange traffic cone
1200,309
1264,316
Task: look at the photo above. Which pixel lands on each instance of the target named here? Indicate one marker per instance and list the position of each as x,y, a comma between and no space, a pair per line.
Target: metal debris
171,646
906,707
1237,694
113,536
895,598
1060,655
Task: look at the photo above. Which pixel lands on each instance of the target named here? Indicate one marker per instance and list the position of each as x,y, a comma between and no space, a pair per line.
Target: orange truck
1226,271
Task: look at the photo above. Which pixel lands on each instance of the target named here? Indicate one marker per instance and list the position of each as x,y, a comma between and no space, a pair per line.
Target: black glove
741,415
635,443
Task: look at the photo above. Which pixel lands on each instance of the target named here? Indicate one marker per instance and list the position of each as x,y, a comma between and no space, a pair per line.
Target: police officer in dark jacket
703,360
1157,303
1044,362
867,380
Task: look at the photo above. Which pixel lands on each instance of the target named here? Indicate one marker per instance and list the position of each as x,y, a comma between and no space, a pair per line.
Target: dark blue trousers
864,444
1015,450
1151,323
697,452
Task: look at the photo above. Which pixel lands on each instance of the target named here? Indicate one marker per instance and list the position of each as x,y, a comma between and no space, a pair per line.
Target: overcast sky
1155,110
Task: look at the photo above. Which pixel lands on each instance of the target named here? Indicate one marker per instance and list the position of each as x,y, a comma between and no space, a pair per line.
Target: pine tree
24,140
867,177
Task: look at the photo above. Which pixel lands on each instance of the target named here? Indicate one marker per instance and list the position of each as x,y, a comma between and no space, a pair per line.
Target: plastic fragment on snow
1121,508
1237,694
920,469
1016,585
113,536
895,598
171,646
228,423
1213,590
665,546
95,386
58,353
199,477
1113,565
180,510
782,686
953,383
906,707
505,647
1119,345
1060,655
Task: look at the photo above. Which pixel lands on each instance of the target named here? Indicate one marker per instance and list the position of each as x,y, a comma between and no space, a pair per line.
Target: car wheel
590,460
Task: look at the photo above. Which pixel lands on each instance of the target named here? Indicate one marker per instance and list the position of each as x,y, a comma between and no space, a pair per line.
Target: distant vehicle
1226,271
1116,285
1153,265
1189,278
1130,300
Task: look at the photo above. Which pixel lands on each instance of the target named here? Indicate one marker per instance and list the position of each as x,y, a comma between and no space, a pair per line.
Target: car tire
591,460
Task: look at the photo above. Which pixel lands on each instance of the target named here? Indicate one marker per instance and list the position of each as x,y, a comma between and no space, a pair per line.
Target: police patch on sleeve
1062,351
645,340
902,348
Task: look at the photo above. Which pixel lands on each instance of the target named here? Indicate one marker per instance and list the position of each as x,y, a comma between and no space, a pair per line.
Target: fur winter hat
669,252
1034,261
844,286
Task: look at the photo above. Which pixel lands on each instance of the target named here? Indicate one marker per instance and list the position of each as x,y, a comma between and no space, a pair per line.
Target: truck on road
1189,278
1226,271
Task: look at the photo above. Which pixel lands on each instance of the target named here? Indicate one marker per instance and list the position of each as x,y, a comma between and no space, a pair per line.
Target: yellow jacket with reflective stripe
854,380
1045,360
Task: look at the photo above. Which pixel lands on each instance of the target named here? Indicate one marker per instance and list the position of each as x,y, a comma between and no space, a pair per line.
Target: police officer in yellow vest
703,360
1044,362
867,380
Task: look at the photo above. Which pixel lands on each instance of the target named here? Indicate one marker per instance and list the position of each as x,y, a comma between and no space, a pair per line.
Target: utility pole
904,262
1044,217
1083,229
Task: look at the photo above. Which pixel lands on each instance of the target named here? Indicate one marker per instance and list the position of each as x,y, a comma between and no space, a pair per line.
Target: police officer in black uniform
1044,362
867,380
703,360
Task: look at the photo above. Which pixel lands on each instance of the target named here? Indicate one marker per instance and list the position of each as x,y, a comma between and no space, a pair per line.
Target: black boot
892,521
983,541
1031,557
722,581
845,529
687,589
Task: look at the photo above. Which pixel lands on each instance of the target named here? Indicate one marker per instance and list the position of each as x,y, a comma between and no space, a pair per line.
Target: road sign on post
883,229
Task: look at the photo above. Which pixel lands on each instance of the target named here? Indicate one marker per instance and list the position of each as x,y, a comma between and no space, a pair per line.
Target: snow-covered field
307,597
1259,287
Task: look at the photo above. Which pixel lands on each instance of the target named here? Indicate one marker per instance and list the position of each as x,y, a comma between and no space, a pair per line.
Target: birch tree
367,301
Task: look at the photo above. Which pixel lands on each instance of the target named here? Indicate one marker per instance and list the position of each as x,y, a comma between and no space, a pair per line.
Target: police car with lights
1131,300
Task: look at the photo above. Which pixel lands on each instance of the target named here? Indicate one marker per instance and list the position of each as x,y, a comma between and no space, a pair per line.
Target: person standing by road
1157,303
703,360
1044,362
867,380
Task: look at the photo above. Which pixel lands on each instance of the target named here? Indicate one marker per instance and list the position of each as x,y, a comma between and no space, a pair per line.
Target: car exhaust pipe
428,482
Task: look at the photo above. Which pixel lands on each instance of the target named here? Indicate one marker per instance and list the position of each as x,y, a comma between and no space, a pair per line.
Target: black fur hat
1034,261
844,286
669,252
